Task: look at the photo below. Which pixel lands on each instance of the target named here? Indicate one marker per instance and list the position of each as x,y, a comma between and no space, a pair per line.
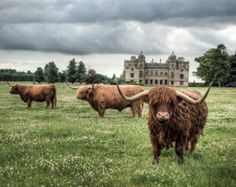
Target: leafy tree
80,72
38,74
51,72
232,71
62,76
213,65
90,77
71,71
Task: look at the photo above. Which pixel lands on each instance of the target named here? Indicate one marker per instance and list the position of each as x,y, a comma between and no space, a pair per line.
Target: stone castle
174,72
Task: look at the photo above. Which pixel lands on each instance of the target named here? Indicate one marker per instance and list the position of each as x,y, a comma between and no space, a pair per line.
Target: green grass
71,146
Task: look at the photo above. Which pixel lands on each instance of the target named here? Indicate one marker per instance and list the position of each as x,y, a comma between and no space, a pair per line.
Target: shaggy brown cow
29,93
101,97
173,117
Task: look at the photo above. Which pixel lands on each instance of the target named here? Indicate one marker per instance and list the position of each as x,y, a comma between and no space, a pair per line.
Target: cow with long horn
101,97
174,117
40,93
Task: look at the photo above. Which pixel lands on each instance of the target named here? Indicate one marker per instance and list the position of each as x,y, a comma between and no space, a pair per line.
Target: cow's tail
55,97
55,100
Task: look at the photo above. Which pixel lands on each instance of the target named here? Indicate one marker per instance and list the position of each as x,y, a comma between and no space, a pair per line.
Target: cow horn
93,85
135,97
190,100
74,88
9,84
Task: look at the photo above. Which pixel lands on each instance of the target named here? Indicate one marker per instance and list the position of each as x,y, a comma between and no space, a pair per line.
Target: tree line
75,72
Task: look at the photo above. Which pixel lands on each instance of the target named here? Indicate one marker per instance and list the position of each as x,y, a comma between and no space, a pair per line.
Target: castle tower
134,69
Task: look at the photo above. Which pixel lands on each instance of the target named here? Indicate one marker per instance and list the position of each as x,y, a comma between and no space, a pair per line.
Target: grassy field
71,146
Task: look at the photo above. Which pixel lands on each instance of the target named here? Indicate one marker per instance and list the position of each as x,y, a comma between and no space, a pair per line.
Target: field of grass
71,146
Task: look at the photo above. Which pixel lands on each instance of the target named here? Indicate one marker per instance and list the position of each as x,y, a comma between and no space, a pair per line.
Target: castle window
181,83
172,82
132,75
182,70
140,81
165,82
151,81
172,75
146,72
132,69
156,81
166,73
173,65
150,72
161,73
181,76
161,82
140,74
156,72
146,81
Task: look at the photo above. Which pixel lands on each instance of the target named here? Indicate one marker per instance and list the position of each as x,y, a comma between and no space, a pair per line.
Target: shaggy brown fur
101,97
39,93
184,126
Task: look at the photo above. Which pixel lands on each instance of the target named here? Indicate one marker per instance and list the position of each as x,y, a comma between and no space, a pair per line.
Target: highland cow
101,97
174,117
40,93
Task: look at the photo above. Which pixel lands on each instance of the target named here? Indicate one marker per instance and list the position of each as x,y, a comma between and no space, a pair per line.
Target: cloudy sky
102,33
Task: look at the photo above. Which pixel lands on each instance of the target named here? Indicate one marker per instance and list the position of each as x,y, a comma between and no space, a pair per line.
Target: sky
104,33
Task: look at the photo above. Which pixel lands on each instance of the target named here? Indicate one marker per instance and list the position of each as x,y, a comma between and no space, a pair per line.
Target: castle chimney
160,60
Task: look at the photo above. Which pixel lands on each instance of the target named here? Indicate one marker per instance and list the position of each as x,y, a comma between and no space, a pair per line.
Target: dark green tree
231,80
90,77
38,75
80,72
213,65
62,76
71,71
51,72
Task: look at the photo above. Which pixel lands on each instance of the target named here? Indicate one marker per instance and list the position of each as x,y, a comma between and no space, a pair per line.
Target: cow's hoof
155,162
181,161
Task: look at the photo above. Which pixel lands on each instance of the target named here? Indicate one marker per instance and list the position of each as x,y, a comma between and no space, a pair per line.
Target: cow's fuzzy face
14,89
82,91
162,102
162,111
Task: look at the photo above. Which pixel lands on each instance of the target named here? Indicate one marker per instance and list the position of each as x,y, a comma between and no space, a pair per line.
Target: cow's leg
140,109
156,149
101,109
193,144
133,108
29,103
180,147
52,102
48,101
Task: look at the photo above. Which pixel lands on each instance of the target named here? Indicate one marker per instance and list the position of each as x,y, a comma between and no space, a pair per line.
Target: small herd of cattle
174,117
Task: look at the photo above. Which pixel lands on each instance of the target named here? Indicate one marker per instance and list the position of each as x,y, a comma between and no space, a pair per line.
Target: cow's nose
163,116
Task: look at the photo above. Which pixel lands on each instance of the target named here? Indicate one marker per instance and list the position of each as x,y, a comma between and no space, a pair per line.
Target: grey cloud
107,10
127,37
108,26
